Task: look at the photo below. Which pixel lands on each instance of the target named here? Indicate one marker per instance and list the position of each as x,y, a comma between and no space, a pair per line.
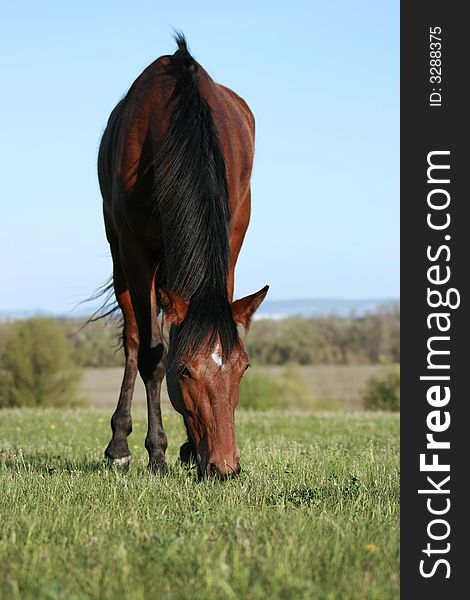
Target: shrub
97,344
258,391
383,392
294,391
37,367
261,391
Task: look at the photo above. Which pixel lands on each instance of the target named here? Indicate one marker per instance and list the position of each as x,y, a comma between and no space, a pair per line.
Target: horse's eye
184,372
247,367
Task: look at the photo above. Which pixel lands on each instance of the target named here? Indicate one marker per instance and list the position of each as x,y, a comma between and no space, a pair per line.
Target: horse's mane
190,199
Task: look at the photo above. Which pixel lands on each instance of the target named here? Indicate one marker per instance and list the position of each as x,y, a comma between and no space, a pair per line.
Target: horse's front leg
152,371
140,269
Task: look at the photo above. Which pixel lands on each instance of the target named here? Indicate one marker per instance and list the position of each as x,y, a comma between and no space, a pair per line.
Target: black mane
190,199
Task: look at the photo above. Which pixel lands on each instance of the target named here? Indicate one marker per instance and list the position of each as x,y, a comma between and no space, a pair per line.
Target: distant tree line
41,358
327,340
321,340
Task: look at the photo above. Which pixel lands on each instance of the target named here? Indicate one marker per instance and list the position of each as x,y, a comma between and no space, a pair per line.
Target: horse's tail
191,198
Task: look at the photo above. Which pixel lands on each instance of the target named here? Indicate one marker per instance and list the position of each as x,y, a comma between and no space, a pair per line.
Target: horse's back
147,106
137,128
236,129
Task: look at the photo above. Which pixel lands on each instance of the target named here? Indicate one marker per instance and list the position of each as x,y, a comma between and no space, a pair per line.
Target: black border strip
424,129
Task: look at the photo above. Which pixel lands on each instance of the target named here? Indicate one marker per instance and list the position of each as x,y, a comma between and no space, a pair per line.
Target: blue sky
322,79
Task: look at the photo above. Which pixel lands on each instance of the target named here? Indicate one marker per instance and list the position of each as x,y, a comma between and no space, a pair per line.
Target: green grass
313,515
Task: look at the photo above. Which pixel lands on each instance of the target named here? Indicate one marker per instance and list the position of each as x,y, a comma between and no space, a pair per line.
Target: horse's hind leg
117,453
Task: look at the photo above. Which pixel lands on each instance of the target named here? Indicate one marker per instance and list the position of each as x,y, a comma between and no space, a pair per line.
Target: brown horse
174,168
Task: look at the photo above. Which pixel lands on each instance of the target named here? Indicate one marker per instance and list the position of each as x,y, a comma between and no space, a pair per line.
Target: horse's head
205,388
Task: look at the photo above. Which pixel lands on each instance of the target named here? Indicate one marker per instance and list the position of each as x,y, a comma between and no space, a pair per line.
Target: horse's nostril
213,469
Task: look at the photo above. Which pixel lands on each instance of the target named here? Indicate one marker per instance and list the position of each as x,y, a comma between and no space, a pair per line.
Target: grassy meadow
314,513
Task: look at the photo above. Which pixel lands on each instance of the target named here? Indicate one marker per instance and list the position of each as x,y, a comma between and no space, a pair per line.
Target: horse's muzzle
224,472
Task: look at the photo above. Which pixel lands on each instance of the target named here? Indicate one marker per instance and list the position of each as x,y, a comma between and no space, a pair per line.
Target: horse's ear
244,309
175,308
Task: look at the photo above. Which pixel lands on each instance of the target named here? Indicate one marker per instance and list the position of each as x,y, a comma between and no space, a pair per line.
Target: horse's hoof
120,463
157,466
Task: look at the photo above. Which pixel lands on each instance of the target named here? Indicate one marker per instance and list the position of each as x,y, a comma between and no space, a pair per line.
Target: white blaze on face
216,356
